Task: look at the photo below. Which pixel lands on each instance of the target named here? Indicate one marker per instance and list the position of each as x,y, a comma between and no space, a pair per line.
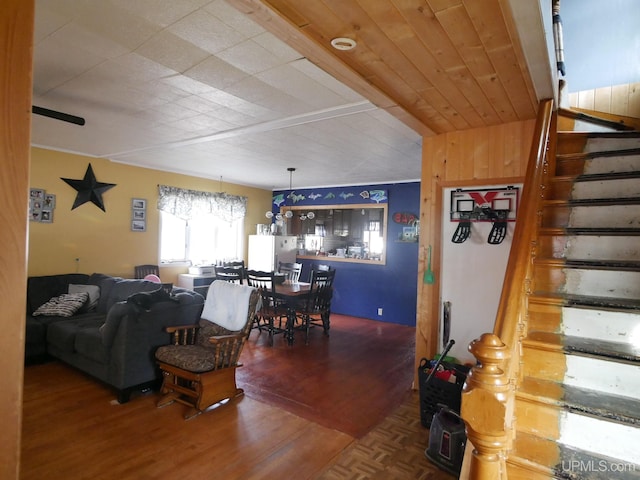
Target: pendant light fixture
289,214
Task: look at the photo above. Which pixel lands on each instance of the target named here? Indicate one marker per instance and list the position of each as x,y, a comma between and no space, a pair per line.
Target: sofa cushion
124,288
94,295
106,283
64,305
88,342
63,334
41,289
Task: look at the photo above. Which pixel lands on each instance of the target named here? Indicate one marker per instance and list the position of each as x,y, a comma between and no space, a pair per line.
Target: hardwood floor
303,406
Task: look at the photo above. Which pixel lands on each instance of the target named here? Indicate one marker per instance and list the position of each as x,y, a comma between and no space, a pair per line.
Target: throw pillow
63,306
92,290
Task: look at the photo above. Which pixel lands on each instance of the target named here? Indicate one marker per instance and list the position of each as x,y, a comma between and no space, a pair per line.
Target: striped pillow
63,306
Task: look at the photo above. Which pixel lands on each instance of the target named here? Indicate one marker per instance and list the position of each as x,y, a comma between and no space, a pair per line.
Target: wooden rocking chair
199,368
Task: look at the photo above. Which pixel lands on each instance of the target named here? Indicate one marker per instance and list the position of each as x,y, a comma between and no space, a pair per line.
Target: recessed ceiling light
343,43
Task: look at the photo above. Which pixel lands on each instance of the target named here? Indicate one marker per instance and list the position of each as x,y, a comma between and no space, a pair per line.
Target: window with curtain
200,227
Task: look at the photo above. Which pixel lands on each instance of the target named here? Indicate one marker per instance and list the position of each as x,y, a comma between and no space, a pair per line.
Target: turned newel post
487,406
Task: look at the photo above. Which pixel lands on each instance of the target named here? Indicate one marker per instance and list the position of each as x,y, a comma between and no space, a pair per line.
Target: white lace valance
188,204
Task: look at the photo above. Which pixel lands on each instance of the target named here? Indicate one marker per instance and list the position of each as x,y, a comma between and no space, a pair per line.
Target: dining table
291,294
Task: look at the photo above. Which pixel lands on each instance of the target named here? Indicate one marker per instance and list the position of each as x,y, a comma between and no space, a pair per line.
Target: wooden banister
489,393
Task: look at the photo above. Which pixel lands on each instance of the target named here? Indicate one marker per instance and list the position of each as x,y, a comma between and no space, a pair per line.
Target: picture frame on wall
41,205
46,216
139,203
138,214
138,225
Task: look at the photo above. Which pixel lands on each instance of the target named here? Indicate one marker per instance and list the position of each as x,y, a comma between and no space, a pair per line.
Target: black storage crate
439,391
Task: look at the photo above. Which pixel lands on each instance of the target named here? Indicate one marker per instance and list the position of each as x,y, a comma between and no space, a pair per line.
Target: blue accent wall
361,289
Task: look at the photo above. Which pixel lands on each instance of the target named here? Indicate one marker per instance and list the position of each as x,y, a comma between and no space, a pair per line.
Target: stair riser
566,189
579,166
603,325
606,216
623,163
619,188
589,247
620,327
608,144
584,372
594,435
577,281
554,422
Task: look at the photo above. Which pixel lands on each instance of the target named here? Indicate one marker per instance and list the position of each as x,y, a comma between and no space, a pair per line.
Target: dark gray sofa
115,342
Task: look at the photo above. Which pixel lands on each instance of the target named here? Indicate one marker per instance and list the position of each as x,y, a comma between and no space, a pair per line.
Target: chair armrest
175,328
182,334
224,338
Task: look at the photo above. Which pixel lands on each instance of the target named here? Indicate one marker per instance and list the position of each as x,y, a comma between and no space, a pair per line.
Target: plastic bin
439,391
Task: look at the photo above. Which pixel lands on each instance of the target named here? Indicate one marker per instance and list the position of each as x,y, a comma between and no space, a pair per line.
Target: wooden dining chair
316,309
292,271
141,271
272,311
230,274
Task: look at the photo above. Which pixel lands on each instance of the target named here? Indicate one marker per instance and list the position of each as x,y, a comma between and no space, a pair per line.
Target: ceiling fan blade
65,117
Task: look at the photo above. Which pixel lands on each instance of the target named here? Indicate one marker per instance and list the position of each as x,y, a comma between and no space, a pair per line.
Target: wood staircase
571,396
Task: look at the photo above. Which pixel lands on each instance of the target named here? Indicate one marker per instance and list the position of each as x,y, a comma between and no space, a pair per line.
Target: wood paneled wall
480,156
618,99
16,39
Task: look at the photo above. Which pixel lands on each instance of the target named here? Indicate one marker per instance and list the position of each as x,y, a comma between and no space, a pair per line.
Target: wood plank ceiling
437,65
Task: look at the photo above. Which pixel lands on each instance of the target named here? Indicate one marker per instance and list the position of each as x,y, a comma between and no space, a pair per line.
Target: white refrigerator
265,251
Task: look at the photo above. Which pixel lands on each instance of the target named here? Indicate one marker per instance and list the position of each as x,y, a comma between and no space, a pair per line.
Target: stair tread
607,303
582,400
590,231
622,265
527,447
605,153
622,352
591,202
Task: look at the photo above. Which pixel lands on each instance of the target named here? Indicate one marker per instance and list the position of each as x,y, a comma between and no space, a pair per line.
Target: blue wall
361,289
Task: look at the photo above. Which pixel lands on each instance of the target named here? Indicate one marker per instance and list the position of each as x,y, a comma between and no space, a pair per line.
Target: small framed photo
138,214
138,225
49,202
37,195
139,203
46,216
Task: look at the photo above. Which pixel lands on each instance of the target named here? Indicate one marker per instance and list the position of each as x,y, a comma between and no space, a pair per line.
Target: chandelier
289,214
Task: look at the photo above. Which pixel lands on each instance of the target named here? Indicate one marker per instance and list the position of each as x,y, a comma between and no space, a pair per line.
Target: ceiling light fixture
288,214
343,43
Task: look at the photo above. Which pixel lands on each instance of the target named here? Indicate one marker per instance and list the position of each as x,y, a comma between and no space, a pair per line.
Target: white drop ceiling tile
323,78
249,57
47,21
206,31
51,69
216,72
172,111
75,36
277,47
114,23
198,104
160,12
233,117
202,125
187,84
300,86
251,89
172,51
233,18
161,92
136,69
